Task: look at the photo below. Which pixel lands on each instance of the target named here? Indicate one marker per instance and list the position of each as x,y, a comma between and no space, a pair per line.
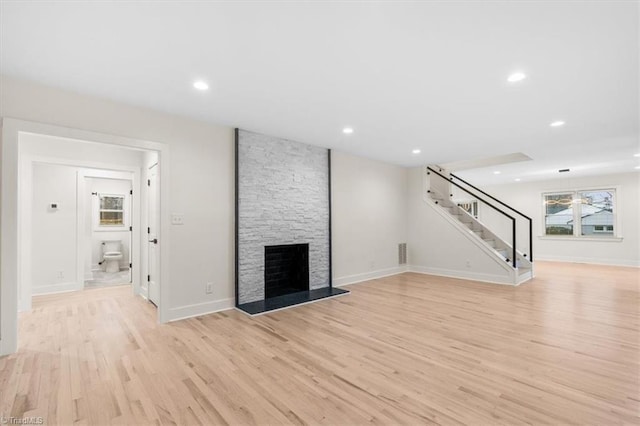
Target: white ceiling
404,75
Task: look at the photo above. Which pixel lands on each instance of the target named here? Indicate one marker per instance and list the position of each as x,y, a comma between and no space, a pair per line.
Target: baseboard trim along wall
357,278
381,273
593,261
56,288
463,275
199,309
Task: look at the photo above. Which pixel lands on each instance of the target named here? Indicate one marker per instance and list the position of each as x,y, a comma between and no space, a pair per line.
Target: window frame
98,227
577,217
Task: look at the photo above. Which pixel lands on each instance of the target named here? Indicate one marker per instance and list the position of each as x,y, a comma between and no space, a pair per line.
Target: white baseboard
199,309
594,261
463,275
366,276
56,288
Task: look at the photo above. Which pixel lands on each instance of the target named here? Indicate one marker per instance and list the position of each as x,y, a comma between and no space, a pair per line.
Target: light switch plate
177,219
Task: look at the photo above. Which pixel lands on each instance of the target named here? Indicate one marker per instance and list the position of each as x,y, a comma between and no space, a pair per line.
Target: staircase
439,189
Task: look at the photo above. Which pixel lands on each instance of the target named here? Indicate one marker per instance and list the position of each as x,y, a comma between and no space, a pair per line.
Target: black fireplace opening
286,269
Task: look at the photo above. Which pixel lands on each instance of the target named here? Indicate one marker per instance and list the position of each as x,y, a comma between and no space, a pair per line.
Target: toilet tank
112,246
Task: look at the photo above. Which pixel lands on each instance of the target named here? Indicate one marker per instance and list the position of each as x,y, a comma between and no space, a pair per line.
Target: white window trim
602,239
577,220
110,228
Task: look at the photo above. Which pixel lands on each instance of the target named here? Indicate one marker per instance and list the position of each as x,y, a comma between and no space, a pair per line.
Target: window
589,213
470,207
558,219
111,210
602,228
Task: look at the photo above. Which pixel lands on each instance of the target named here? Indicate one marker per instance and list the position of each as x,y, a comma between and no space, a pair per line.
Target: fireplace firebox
286,269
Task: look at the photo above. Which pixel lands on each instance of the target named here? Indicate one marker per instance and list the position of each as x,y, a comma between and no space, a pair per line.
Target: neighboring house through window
580,213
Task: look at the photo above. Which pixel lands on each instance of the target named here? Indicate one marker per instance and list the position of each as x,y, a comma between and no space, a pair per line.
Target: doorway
108,225
18,236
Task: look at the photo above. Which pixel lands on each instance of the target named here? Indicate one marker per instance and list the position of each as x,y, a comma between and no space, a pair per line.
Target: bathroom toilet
112,254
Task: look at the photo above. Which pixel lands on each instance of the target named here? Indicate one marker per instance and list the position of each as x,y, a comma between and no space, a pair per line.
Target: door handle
154,241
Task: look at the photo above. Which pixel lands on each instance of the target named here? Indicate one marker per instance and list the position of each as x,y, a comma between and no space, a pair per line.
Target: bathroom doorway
84,220
42,236
107,229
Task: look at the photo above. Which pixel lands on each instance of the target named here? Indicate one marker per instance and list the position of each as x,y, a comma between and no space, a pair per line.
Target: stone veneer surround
283,198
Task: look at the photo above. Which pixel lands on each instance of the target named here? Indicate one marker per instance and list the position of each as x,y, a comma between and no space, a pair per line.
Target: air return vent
402,253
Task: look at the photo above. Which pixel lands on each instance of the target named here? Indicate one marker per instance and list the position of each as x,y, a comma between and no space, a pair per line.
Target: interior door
129,220
153,275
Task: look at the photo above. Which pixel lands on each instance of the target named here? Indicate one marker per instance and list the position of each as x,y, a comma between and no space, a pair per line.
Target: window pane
470,207
111,219
597,212
558,219
111,203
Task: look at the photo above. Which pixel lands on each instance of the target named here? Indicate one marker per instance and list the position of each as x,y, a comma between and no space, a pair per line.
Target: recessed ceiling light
416,151
516,77
201,85
558,123
497,172
347,130
636,155
518,179
637,167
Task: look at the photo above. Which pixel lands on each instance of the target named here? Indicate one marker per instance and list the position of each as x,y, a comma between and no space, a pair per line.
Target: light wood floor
408,349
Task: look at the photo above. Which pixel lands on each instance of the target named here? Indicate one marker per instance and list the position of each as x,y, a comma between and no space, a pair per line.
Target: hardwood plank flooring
407,349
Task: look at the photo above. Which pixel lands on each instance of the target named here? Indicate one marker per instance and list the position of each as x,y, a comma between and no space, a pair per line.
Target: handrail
507,206
513,220
490,196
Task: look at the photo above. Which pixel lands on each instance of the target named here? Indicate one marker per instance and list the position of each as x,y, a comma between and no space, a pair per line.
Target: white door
153,252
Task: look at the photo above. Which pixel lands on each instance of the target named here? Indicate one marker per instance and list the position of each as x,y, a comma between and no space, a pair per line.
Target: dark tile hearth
291,299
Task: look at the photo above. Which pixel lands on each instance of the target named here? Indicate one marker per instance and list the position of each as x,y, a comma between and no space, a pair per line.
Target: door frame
10,220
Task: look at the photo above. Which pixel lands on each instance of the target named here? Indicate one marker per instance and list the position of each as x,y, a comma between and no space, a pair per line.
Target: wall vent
402,253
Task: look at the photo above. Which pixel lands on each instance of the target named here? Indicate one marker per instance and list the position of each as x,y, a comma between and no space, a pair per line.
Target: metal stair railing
507,206
513,220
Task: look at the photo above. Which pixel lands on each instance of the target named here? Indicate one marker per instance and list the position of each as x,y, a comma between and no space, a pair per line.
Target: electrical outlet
177,219
208,288
60,275
468,264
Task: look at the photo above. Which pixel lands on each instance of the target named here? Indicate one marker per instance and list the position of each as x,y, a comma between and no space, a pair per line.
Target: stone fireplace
283,221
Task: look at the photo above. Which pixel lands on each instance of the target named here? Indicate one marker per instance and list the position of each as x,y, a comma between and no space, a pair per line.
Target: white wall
39,146
53,240
437,247
527,197
369,200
